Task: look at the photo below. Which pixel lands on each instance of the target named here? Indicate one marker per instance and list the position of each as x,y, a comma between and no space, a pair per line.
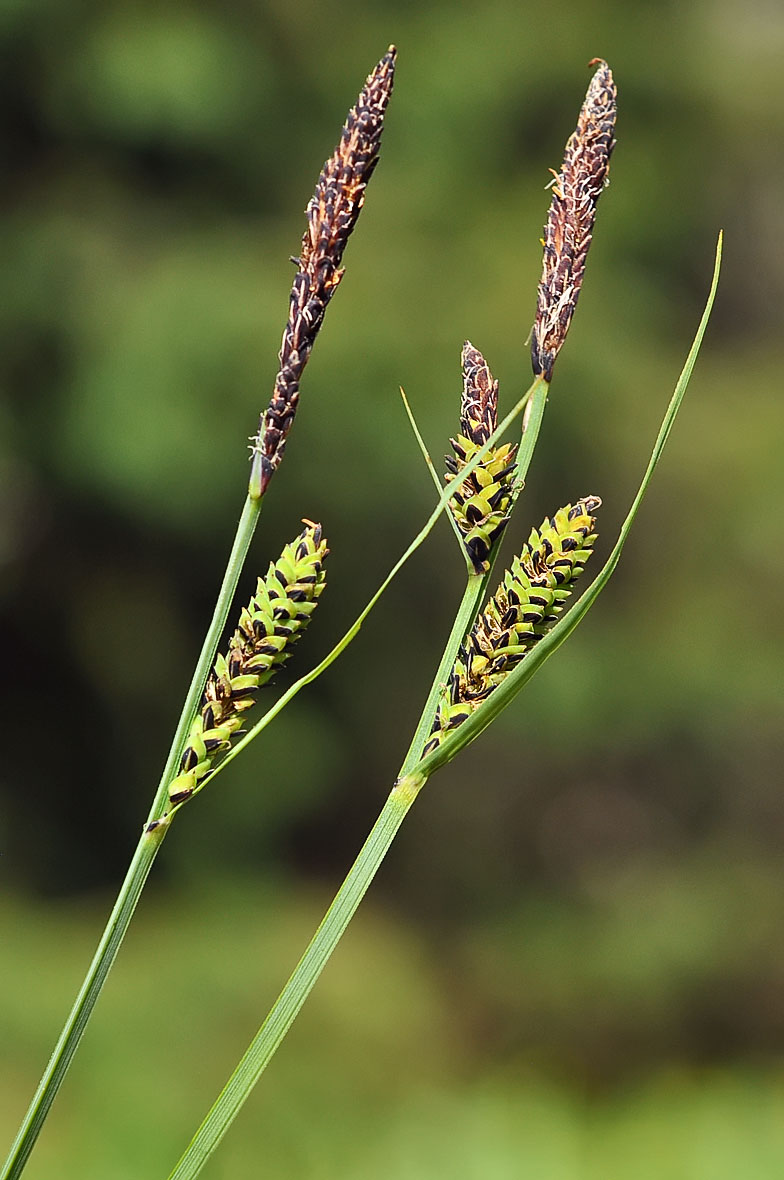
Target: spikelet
269,626
523,609
332,214
481,503
569,228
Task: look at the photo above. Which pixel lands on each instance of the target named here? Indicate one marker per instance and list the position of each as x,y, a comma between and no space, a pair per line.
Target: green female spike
480,505
523,609
269,626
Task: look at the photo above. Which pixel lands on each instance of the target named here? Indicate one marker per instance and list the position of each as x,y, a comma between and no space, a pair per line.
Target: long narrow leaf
433,473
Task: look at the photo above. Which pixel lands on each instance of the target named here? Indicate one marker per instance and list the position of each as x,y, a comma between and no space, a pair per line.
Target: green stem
463,620
531,426
140,866
300,984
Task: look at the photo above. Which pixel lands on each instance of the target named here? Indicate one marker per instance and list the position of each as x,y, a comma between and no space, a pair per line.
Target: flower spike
332,214
269,626
481,502
569,228
523,609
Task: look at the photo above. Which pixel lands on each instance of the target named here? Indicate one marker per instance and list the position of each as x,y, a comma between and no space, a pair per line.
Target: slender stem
532,421
139,868
463,620
85,1001
239,551
300,984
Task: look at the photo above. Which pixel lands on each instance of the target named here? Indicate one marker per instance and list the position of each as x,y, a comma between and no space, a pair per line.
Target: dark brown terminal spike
569,229
332,214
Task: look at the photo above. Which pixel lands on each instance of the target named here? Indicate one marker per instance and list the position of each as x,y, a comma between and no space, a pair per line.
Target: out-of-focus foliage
397,1067
599,877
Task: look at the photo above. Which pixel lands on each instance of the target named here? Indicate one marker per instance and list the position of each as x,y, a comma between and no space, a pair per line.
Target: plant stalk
139,868
302,980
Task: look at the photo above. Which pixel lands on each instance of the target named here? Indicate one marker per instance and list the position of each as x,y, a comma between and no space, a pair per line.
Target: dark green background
571,965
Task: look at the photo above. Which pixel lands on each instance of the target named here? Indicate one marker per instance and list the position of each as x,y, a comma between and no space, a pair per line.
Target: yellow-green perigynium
268,628
525,606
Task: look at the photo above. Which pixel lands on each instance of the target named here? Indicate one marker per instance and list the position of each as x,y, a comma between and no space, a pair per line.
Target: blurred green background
571,965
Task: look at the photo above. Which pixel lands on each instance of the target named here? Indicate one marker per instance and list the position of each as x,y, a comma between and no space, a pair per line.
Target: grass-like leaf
431,468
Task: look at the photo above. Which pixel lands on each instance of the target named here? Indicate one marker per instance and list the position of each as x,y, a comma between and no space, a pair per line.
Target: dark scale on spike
180,796
480,504
569,228
331,216
257,649
525,606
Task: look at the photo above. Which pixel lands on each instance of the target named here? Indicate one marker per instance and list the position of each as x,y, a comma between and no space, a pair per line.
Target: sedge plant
497,640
